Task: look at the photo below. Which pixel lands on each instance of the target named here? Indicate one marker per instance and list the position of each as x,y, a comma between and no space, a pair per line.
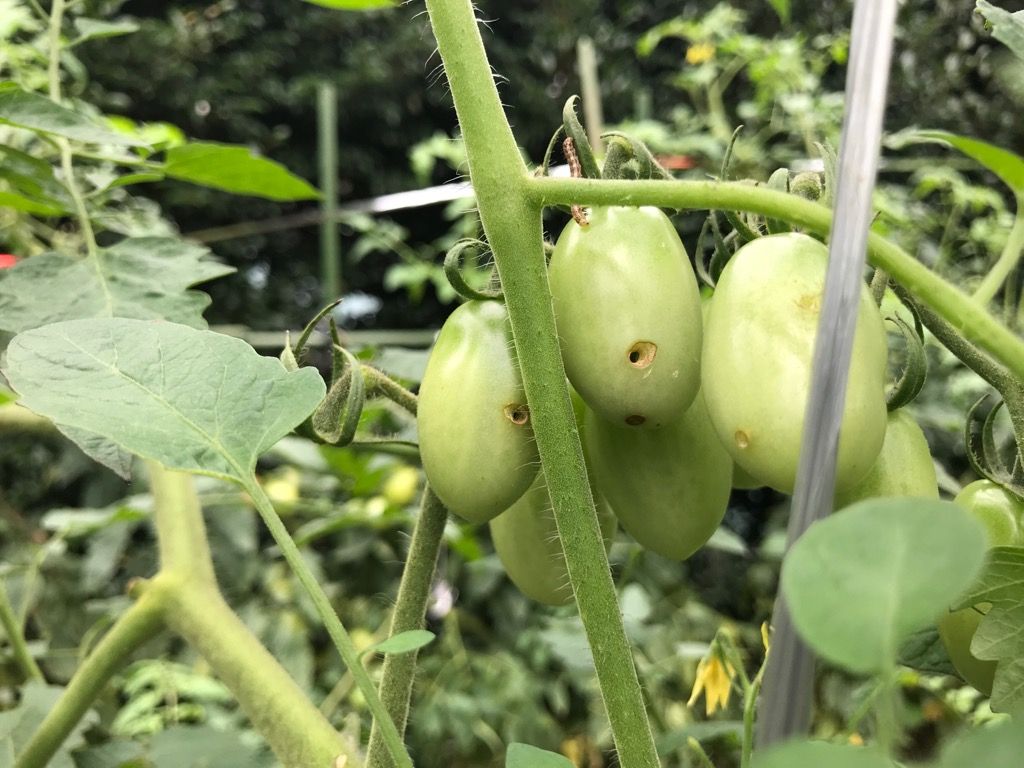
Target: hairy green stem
879,282
512,223
410,609
178,518
887,712
193,607
299,734
340,637
378,382
949,302
15,637
67,166
1008,259
137,625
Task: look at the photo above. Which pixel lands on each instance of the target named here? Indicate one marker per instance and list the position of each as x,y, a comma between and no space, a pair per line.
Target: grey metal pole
327,149
590,85
785,706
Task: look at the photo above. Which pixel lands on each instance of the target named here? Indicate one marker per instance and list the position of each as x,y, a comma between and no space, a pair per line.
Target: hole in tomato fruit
642,353
742,439
635,420
517,413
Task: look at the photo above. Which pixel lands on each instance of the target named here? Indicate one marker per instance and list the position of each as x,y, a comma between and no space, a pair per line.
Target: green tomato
1002,515
526,539
756,365
628,314
476,441
903,468
669,487
744,480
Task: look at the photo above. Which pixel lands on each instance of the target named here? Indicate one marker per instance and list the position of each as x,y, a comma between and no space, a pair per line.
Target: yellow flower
699,53
714,679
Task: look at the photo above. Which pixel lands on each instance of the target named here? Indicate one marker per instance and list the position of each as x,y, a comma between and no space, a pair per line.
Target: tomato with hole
628,315
1002,515
476,441
757,357
669,488
903,468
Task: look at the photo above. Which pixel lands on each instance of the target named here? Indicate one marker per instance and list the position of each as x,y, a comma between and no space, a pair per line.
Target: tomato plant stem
1008,259
282,713
67,167
379,383
192,606
137,625
340,637
410,609
512,223
948,301
16,638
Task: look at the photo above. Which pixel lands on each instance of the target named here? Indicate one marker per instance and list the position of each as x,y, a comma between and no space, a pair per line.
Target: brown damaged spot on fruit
642,353
517,413
809,302
742,439
635,420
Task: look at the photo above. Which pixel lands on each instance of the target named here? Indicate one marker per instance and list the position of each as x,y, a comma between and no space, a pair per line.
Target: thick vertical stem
294,728
410,610
512,223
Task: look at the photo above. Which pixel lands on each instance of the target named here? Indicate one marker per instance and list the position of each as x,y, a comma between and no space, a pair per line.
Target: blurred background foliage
681,76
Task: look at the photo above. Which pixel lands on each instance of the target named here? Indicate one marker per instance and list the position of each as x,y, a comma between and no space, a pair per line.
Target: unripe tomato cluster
678,402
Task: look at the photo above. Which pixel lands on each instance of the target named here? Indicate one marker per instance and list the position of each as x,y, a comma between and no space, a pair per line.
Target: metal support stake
327,149
785,706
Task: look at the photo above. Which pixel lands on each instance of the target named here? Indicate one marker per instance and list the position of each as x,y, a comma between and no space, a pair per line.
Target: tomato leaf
403,642
816,754
925,652
235,169
859,583
1003,163
998,745
35,112
142,277
1000,636
525,756
192,400
19,724
1007,28
95,29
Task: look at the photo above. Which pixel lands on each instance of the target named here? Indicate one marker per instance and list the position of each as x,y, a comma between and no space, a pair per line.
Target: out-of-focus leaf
235,169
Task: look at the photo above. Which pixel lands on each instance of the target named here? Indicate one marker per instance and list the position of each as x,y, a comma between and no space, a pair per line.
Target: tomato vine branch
948,301
1008,259
19,647
410,609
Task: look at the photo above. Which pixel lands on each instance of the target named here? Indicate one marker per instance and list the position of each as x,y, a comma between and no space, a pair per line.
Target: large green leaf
1003,163
26,109
1000,636
819,754
192,400
140,277
990,747
1007,28
235,169
861,582
525,756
